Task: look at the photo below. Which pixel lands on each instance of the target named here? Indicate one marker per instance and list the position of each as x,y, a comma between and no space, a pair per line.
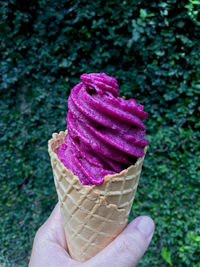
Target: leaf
135,35
195,2
143,13
166,255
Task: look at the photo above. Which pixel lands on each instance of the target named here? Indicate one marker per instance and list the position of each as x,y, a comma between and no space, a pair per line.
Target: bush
152,48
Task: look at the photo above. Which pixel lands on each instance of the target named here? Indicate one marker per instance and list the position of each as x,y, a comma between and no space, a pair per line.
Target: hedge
152,48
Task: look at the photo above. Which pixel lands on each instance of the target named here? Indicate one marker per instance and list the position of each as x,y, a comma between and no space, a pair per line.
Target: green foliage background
153,49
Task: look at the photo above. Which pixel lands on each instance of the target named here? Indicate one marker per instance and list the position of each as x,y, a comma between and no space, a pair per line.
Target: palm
50,246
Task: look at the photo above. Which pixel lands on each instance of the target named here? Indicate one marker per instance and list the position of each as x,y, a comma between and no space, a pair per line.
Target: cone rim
107,177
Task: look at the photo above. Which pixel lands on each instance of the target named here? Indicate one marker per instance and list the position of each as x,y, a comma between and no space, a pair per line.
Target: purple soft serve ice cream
105,132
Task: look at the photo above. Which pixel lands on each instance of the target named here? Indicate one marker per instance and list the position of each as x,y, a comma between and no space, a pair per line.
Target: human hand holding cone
92,215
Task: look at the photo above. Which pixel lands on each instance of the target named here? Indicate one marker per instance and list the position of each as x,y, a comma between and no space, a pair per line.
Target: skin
50,246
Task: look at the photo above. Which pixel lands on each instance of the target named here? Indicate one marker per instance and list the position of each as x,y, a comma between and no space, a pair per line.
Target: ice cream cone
92,215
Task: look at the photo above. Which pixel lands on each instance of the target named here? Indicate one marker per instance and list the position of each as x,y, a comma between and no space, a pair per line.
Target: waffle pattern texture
92,215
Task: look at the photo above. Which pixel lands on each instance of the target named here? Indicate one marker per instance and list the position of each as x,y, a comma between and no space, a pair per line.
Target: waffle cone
92,215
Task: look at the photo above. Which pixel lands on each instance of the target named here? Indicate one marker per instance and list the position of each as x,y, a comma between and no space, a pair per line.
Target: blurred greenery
152,48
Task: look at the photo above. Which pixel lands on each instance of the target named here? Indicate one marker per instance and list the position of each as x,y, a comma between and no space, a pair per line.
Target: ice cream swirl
105,132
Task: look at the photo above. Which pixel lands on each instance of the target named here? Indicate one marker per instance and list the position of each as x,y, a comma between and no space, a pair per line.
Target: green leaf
195,2
166,255
143,13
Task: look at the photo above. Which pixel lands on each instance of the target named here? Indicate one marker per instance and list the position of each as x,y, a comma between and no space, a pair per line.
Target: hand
50,246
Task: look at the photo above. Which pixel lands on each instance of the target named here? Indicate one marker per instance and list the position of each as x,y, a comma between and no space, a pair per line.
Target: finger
53,229
49,247
128,248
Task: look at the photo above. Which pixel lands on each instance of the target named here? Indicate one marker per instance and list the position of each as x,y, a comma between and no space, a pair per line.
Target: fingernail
146,226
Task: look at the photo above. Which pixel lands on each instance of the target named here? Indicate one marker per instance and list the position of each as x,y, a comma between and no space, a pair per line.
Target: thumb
128,248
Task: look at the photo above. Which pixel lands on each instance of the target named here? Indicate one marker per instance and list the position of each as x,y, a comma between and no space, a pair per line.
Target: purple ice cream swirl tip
105,132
